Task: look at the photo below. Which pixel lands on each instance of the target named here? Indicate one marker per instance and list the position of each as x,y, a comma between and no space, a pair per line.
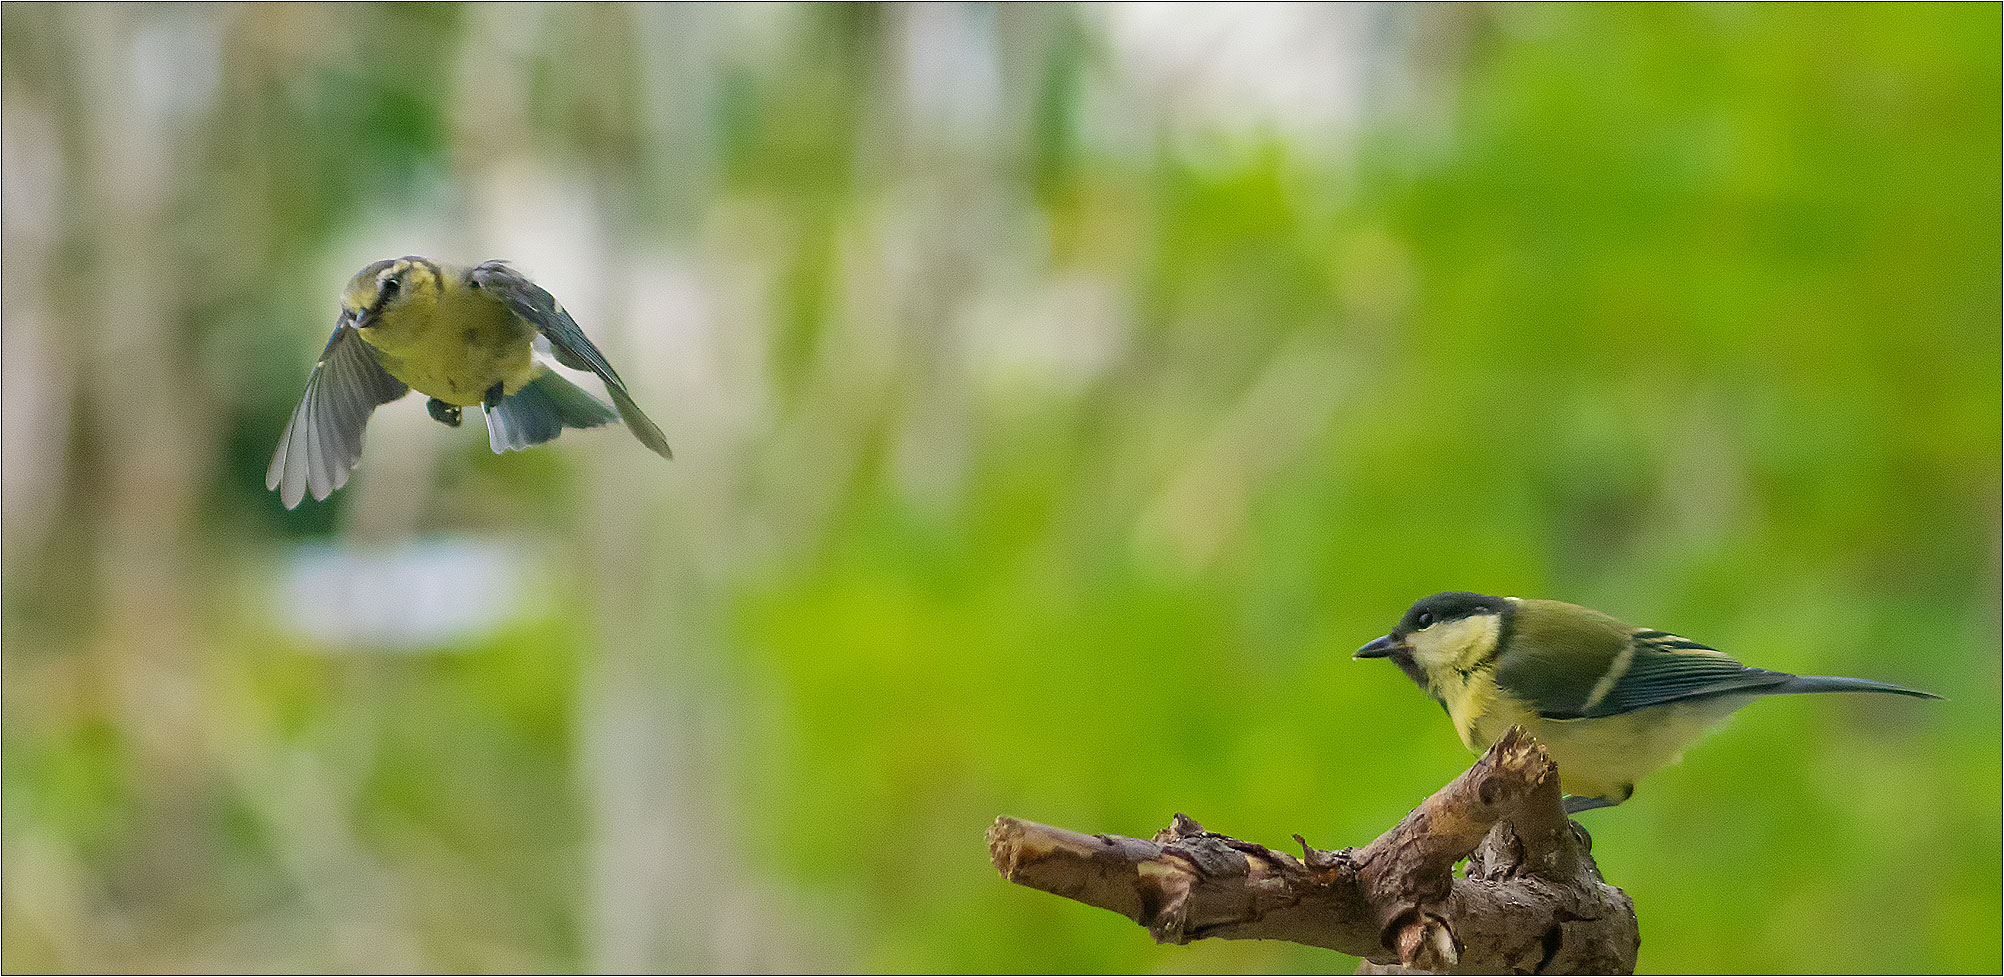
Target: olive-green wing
567,341
1555,655
1569,662
323,440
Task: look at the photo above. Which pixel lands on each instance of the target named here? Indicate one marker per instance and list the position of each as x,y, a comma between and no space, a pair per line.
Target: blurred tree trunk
153,444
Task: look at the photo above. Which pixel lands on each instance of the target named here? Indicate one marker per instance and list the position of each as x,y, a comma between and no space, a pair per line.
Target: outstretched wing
567,342
323,440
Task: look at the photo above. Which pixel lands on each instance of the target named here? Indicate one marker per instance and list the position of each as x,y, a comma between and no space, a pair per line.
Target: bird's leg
442,412
1575,803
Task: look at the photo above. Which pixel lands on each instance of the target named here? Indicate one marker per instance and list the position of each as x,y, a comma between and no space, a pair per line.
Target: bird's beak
1379,648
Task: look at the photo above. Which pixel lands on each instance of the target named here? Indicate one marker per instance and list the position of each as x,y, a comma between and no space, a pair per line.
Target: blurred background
1059,395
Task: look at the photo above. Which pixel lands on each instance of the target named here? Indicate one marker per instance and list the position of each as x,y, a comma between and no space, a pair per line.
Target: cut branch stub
1534,901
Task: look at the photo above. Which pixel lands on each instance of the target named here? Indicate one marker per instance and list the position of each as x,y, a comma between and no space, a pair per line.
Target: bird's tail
1797,684
540,411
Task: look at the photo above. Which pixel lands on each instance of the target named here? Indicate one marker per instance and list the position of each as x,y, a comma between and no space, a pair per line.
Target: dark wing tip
638,422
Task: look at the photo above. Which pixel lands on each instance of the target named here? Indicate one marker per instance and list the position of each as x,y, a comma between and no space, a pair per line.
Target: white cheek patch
1454,643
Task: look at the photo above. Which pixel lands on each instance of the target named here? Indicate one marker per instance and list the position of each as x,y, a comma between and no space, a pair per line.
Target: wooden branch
1532,900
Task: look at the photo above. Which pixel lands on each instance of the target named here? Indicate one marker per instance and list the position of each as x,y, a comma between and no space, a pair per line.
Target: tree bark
1531,901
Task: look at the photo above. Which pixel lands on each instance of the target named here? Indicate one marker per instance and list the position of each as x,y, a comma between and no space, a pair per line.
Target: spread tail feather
540,411
1798,684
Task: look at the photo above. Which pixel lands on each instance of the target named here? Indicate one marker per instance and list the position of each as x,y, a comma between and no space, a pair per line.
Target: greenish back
1556,653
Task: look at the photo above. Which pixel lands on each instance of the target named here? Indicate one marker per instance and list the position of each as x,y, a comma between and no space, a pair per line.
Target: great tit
463,336
1609,701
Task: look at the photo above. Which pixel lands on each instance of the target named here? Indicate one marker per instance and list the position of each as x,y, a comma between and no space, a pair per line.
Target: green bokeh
1062,459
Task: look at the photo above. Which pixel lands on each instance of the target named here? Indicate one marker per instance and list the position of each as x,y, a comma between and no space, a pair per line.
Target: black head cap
1450,606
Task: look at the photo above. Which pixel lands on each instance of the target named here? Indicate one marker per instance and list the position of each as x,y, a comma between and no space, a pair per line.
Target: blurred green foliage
1687,313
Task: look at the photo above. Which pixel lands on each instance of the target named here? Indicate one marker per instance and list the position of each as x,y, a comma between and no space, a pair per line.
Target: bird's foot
442,412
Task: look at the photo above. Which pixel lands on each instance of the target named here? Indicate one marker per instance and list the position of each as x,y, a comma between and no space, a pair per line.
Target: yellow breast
454,344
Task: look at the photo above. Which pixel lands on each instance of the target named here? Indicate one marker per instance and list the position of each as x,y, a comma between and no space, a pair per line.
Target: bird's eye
390,286
1424,620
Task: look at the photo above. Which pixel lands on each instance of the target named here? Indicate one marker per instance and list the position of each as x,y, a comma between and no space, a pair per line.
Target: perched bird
462,336
1610,702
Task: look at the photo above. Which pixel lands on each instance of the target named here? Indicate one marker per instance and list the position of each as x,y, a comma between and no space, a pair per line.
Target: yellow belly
454,347
1605,757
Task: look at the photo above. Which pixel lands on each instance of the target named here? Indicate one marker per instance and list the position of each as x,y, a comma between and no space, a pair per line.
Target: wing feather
1669,669
568,342
1569,662
323,439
